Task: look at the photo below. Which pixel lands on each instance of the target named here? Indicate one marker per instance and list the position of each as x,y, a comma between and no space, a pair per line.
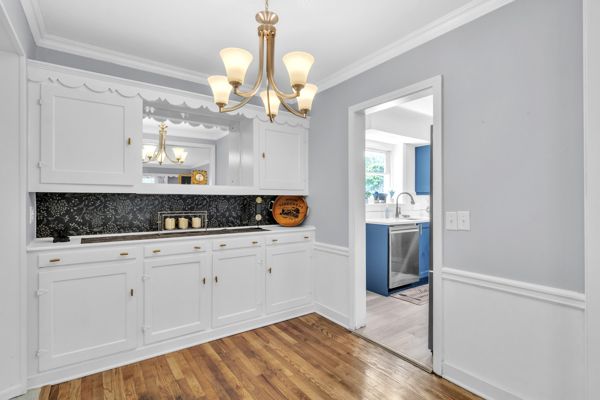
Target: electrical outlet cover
451,221
464,220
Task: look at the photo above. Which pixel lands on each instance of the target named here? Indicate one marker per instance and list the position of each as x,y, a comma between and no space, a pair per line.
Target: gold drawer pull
306,237
270,270
156,251
55,260
275,240
204,281
124,253
197,247
254,242
216,279
222,245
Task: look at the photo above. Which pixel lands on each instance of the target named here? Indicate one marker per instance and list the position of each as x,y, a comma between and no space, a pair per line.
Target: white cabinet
176,296
288,282
283,157
238,285
86,312
89,138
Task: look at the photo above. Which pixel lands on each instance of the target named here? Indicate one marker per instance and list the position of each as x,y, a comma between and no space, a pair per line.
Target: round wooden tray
289,210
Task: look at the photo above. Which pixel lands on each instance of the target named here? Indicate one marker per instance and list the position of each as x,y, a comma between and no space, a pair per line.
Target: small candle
183,223
196,222
169,223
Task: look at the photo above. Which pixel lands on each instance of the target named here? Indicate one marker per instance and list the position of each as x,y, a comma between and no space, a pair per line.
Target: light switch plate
464,220
451,221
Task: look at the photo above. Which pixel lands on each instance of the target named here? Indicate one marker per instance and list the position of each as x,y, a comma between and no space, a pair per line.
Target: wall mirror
184,146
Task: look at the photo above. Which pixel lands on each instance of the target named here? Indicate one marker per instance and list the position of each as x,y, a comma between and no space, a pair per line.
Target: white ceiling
182,38
424,106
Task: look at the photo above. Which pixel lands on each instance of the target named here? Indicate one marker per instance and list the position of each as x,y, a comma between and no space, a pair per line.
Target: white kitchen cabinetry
86,312
176,296
238,285
288,283
89,138
283,157
84,316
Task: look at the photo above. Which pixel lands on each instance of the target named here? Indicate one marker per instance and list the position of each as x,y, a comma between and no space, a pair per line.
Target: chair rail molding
41,72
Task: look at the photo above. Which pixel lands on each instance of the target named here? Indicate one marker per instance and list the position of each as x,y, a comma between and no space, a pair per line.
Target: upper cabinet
94,133
283,157
88,137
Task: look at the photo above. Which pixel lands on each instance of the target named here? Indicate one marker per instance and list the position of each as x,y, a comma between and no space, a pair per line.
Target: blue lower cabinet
377,259
424,247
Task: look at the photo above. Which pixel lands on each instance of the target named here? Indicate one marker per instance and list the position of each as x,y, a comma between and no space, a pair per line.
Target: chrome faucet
398,210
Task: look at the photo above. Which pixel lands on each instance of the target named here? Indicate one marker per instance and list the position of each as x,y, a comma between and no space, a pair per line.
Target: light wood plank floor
303,358
398,325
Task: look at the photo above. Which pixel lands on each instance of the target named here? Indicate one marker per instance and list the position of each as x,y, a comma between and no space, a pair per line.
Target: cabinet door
238,285
176,296
89,138
86,312
288,276
283,158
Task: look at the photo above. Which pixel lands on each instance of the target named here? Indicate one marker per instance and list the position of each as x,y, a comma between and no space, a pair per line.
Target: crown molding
437,28
43,39
445,24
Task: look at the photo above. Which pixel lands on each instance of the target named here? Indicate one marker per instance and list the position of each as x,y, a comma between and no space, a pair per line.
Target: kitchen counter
43,244
397,221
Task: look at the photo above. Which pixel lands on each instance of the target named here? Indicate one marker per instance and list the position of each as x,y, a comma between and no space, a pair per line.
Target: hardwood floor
303,358
398,325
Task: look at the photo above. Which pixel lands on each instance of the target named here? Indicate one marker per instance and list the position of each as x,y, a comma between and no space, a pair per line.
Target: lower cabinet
238,285
288,276
176,296
86,312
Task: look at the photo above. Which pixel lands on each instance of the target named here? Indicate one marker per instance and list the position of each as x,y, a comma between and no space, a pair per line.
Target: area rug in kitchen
418,295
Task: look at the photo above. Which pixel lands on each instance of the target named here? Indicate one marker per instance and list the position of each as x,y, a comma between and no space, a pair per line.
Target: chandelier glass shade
159,154
237,61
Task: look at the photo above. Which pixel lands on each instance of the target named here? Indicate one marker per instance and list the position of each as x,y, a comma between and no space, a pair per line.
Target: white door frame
591,89
356,207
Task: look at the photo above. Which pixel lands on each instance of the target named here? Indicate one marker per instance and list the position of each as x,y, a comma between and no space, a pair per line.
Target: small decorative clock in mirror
184,146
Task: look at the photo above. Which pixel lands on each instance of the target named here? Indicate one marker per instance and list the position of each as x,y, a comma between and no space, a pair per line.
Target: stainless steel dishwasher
404,255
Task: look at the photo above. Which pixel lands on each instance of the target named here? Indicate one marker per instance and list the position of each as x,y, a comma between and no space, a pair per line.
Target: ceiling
182,38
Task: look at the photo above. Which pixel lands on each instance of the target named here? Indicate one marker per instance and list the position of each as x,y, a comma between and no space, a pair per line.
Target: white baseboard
476,385
12,391
333,315
505,339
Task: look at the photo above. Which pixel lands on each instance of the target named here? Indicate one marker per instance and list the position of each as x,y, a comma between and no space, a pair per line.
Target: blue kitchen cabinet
424,250
377,259
423,170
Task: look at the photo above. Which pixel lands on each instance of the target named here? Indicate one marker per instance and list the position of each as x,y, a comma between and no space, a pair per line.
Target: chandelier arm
291,109
236,107
271,68
261,67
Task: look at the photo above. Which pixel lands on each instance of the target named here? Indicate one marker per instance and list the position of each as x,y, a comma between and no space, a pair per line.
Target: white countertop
397,221
44,244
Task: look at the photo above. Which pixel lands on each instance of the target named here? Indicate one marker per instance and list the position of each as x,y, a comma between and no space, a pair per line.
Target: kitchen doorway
394,169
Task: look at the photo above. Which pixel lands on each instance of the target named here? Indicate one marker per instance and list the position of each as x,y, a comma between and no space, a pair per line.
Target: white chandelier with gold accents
237,61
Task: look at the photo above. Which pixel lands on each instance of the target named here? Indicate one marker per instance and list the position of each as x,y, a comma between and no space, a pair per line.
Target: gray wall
513,141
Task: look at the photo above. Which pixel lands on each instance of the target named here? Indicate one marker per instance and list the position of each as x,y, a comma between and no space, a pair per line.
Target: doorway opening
395,209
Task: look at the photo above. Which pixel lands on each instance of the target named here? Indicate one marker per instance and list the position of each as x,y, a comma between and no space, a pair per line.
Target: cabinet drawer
237,243
168,249
71,257
283,238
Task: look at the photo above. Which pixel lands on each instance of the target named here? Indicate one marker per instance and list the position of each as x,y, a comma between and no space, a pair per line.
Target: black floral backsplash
102,213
